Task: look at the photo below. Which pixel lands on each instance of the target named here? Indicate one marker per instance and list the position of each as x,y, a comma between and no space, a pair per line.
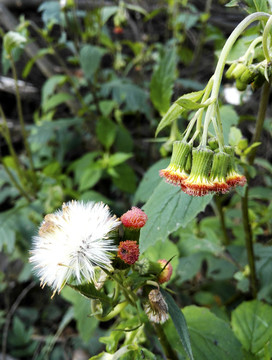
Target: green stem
260,119
167,348
246,222
221,214
221,65
22,123
116,310
249,244
266,38
251,48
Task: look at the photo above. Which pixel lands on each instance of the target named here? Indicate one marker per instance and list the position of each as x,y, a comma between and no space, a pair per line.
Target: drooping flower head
218,174
156,308
198,183
233,178
134,218
167,271
176,171
128,251
72,242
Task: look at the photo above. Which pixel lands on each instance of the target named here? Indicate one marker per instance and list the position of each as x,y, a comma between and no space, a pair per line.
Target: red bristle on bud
134,218
128,251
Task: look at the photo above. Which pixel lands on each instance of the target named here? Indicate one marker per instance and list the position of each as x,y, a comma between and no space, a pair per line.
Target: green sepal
228,73
202,163
220,166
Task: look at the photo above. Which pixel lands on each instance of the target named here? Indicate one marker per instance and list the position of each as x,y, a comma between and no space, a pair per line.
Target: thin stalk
266,38
221,65
218,203
249,244
246,222
167,348
15,184
22,122
6,134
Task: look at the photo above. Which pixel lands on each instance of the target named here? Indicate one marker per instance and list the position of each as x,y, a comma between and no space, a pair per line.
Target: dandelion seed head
72,242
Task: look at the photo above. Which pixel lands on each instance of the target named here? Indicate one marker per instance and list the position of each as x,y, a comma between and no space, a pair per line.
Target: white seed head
72,242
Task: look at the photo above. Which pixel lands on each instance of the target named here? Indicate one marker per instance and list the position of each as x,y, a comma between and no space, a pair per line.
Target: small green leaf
176,110
32,61
232,3
56,100
162,82
235,136
168,209
119,158
191,105
251,322
90,57
179,322
13,40
50,85
106,131
251,147
89,177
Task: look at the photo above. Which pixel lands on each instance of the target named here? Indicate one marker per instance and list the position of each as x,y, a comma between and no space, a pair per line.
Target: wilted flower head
134,218
72,242
167,271
128,251
156,309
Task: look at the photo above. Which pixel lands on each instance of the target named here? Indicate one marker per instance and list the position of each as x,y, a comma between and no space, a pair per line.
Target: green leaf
235,136
251,322
50,85
90,292
89,177
32,61
179,322
126,179
211,337
13,40
150,181
176,110
190,105
90,57
168,209
119,158
232,3
56,100
86,325
106,131
117,355
162,81
107,12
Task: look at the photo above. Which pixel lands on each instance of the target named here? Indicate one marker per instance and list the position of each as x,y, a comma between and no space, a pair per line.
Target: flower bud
241,86
128,251
239,70
175,173
249,75
218,174
233,178
198,183
134,218
228,73
167,270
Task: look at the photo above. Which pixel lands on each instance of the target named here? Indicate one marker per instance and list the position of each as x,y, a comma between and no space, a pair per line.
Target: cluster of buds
132,221
201,171
244,74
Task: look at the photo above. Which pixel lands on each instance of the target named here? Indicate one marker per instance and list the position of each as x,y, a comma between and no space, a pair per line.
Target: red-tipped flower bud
134,218
128,251
165,275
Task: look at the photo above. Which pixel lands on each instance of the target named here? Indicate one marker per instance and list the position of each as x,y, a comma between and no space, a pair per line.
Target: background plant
88,138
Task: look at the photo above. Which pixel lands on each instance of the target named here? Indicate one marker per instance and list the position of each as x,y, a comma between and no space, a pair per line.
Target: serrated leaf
251,322
12,40
90,57
169,209
150,181
162,82
176,110
179,322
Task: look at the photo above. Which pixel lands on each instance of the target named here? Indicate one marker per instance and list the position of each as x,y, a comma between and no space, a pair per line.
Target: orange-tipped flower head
134,218
218,174
128,251
167,271
233,178
198,183
176,172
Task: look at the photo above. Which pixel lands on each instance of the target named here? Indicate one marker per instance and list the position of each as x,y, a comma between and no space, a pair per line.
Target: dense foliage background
95,78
